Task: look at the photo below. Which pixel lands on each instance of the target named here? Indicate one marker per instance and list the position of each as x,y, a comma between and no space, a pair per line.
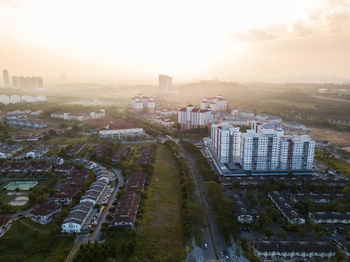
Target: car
227,258
221,254
205,245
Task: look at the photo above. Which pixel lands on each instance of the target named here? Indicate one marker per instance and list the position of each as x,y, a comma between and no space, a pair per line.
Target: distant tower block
165,83
5,75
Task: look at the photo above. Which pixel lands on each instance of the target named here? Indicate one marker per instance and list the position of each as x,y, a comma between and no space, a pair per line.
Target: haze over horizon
134,41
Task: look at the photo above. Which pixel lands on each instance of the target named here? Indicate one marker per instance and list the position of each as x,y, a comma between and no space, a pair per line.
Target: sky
135,40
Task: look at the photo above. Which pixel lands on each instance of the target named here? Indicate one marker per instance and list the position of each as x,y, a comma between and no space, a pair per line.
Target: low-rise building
45,213
329,217
8,151
293,250
120,129
242,210
76,148
76,219
37,152
64,168
285,208
5,223
41,167
95,192
191,117
120,153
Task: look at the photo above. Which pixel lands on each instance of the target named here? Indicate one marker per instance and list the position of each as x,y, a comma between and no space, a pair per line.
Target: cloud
261,34
12,4
301,29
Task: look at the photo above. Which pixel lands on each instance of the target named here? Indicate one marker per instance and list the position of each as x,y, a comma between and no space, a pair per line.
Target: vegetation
23,243
221,205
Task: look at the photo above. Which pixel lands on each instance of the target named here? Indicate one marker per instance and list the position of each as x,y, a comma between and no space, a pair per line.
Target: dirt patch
19,201
334,137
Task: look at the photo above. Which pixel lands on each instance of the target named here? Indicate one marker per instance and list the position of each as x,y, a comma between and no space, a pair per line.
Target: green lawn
22,243
160,236
340,165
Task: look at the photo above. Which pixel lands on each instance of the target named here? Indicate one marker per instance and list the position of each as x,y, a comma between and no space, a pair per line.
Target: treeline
191,211
221,205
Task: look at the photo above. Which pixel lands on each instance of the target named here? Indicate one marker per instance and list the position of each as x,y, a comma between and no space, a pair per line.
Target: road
211,234
96,234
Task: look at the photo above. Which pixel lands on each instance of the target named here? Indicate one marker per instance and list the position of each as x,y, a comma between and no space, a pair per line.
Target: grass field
160,233
23,243
292,103
340,165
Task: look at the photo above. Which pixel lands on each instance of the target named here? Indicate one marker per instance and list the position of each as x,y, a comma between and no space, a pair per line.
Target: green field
340,165
28,241
160,236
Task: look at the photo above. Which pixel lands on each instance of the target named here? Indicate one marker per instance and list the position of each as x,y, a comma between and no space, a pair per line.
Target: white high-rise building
191,117
165,83
297,152
141,103
260,148
216,104
226,142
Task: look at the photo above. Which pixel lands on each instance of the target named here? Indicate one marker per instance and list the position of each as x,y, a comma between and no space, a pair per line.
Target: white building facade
191,117
216,104
141,103
226,142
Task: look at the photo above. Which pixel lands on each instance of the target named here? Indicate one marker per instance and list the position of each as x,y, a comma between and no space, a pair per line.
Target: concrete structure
293,250
79,116
297,153
291,214
329,217
76,219
165,83
45,213
191,117
260,148
6,78
37,152
142,103
242,210
215,104
226,142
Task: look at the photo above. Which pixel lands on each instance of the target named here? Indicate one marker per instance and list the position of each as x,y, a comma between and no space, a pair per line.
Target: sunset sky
135,40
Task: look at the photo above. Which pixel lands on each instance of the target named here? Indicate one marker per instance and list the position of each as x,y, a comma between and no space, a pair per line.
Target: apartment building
226,142
215,104
142,103
191,117
260,148
297,152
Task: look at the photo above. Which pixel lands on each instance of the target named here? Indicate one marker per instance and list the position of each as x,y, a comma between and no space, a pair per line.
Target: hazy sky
135,40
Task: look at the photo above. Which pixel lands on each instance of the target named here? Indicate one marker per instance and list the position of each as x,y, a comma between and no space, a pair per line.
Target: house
8,151
285,208
100,149
329,217
146,155
45,213
315,197
64,168
95,192
120,154
38,152
41,167
67,193
136,181
54,160
77,217
102,173
31,137
126,210
19,167
5,223
293,250
76,148
242,210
